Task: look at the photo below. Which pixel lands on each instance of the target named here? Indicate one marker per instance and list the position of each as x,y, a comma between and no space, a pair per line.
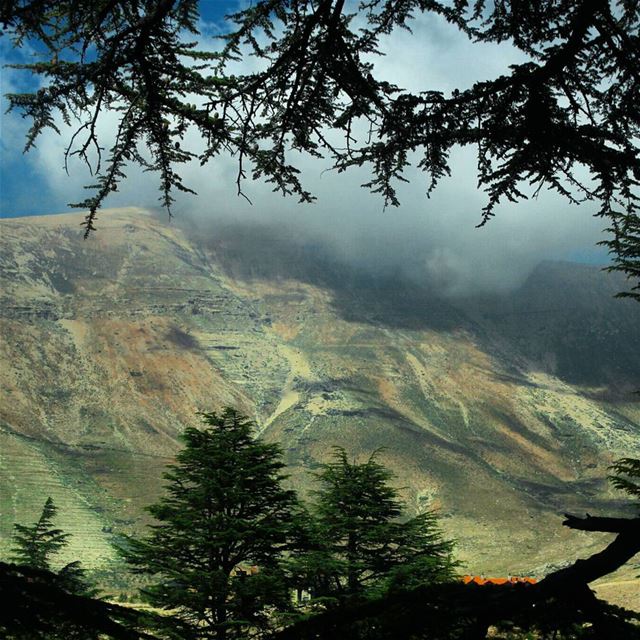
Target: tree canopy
367,543
567,118
224,512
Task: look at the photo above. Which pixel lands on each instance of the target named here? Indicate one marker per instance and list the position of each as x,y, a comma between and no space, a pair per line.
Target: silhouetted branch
466,611
605,525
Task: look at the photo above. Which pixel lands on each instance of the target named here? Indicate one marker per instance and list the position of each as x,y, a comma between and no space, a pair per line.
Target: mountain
501,411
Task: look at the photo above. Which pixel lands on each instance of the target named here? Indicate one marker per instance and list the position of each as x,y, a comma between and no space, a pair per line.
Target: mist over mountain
429,241
501,409
564,316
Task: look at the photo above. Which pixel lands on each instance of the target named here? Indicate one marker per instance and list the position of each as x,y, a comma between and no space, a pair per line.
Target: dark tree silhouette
572,109
35,606
39,602
561,603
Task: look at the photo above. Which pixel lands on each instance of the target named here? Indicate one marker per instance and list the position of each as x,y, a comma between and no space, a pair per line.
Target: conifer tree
35,545
214,554
366,544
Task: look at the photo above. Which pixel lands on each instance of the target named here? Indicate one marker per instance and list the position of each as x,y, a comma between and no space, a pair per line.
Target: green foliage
626,476
35,545
224,512
422,555
362,546
49,603
570,108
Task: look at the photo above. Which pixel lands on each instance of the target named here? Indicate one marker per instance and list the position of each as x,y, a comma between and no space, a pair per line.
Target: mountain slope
501,416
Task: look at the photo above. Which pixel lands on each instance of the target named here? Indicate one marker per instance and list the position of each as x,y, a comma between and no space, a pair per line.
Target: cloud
434,239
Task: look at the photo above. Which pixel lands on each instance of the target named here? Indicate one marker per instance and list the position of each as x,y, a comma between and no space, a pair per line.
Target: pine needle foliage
626,476
566,118
214,555
369,548
36,545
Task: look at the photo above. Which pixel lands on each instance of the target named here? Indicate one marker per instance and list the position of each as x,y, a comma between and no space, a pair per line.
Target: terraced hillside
502,412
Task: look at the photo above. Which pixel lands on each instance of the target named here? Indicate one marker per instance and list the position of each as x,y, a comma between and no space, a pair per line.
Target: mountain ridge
110,345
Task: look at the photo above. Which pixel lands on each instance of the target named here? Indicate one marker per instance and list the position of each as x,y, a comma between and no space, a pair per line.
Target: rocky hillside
501,412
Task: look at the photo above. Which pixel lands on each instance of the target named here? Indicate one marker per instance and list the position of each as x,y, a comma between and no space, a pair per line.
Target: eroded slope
109,347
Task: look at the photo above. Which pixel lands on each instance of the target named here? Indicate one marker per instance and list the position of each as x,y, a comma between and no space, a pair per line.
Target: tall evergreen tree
35,546
367,546
214,554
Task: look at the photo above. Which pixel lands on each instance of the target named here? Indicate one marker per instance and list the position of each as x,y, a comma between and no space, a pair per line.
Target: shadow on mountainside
360,293
564,320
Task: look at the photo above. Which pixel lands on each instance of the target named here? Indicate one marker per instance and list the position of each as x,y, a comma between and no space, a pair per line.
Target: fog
428,240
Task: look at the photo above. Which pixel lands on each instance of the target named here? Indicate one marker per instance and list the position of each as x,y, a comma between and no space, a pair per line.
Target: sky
435,239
